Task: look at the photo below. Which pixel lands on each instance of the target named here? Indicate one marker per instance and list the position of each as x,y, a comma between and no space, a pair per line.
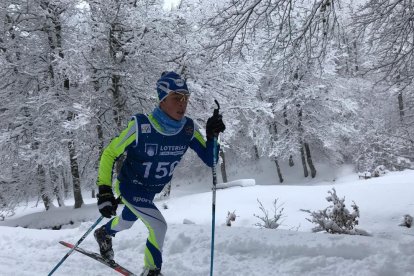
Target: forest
299,83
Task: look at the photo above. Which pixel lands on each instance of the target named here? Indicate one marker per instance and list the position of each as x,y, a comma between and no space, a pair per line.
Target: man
154,144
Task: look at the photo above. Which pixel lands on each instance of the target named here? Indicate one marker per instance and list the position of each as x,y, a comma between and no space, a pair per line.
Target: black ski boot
151,272
105,243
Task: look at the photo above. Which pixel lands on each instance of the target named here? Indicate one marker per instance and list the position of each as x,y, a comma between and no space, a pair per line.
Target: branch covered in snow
336,218
407,221
230,217
270,222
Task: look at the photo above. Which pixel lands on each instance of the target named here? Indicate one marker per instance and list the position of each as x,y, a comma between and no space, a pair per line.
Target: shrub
230,217
407,221
336,218
269,222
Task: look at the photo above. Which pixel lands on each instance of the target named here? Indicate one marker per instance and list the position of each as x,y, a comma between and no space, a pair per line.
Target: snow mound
55,218
237,183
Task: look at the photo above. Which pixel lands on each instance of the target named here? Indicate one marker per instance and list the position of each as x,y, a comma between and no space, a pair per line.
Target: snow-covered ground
242,249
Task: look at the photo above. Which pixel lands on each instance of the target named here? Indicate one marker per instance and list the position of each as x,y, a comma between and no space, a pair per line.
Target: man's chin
179,116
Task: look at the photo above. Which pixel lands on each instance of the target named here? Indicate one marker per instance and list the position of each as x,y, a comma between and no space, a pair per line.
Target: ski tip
66,244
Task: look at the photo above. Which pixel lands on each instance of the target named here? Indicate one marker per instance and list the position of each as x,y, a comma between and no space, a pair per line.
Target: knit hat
171,82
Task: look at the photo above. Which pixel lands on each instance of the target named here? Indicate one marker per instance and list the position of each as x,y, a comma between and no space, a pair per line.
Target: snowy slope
242,249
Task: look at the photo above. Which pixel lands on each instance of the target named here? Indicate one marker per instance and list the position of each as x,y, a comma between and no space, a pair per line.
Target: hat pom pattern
170,82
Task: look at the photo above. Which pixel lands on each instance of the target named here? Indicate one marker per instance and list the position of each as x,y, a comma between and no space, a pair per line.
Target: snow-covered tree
300,47
385,34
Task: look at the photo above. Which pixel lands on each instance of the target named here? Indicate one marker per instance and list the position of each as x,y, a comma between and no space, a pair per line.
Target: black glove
107,203
215,125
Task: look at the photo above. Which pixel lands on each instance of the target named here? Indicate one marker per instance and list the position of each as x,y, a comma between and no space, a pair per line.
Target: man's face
175,105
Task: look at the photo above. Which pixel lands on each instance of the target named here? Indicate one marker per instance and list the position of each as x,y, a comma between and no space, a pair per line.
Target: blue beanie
171,82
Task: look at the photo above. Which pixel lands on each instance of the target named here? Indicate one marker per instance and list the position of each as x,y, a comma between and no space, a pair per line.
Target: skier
154,144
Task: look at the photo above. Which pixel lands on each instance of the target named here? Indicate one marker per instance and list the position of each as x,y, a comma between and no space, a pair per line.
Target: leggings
145,210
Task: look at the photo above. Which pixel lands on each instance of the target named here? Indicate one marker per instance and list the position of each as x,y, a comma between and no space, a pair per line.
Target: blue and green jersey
152,154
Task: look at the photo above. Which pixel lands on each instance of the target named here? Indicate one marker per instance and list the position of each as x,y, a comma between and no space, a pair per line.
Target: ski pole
213,222
76,245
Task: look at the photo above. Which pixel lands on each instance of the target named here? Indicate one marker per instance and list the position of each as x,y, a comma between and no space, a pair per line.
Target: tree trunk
309,159
256,152
99,130
223,166
279,172
66,184
74,168
302,151
118,54
118,103
273,131
291,163
57,188
302,155
401,105
97,87
56,192
355,52
41,176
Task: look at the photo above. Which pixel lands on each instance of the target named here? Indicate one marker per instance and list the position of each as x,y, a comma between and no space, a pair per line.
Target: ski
99,258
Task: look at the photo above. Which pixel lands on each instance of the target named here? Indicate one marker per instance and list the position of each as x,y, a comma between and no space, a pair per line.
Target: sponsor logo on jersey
172,150
142,199
146,128
151,149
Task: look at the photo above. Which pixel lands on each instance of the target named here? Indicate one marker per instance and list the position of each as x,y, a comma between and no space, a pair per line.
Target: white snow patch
235,183
242,249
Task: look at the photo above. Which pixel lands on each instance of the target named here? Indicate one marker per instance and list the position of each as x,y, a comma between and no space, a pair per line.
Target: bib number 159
163,169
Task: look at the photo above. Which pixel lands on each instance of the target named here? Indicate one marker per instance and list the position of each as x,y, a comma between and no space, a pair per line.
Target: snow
242,249
170,4
235,183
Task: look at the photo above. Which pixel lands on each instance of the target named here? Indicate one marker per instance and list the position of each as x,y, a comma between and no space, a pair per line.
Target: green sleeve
113,151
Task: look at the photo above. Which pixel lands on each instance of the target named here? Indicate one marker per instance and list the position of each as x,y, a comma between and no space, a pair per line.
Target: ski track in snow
238,251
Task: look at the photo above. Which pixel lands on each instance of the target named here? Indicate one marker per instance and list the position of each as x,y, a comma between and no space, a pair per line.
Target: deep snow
242,249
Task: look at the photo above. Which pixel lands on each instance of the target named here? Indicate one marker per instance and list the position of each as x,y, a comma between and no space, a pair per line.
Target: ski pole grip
216,110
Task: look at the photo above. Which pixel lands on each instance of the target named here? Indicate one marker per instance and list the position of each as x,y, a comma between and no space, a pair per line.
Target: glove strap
100,195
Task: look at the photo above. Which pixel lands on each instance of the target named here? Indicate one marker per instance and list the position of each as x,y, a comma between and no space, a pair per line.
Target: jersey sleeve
128,137
203,148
